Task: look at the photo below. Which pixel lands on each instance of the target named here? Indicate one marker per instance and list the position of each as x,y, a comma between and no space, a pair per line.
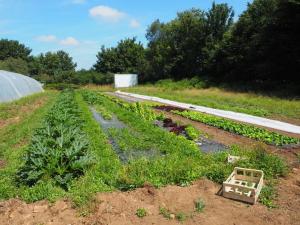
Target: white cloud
78,1
106,13
46,38
69,41
134,23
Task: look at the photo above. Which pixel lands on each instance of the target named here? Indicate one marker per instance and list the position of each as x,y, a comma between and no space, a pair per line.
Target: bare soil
119,208
2,163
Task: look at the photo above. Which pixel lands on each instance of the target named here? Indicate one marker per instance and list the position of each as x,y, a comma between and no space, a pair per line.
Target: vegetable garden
72,155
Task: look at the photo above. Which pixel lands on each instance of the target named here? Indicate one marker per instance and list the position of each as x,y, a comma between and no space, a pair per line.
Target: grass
11,109
250,103
103,175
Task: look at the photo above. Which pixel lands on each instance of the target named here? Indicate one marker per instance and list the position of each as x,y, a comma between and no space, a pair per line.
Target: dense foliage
13,49
58,149
262,47
127,57
253,52
250,131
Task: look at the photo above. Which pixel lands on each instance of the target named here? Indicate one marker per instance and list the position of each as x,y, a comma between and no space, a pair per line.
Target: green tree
92,77
54,66
263,46
182,47
13,49
16,65
127,57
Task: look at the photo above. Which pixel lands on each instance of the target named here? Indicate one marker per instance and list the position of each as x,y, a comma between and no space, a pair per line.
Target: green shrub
195,82
60,86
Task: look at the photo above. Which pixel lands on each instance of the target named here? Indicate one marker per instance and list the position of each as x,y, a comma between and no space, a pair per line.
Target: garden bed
246,130
128,145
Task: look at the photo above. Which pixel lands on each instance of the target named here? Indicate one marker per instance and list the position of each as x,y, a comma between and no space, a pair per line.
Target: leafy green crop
192,133
241,129
142,109
58,149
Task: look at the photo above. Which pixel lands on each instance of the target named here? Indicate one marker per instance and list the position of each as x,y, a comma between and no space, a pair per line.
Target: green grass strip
103,175
10,109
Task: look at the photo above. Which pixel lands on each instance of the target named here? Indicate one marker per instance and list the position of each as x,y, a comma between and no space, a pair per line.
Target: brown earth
119,208
18,112
2,163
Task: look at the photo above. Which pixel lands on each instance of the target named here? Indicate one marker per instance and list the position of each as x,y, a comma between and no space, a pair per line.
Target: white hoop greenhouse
14,86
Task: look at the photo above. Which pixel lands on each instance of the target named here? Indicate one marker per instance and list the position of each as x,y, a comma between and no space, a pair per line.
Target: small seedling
181,216
165,212
141,212
199,205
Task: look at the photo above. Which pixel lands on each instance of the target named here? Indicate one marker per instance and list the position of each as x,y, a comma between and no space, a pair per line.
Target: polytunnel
14,86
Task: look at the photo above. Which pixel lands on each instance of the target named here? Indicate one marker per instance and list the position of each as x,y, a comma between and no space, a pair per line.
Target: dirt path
119,208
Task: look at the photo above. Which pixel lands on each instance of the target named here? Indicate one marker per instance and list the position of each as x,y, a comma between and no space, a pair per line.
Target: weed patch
199,205
141,212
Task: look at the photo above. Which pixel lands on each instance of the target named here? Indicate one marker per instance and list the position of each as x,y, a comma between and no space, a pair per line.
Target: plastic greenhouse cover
14,86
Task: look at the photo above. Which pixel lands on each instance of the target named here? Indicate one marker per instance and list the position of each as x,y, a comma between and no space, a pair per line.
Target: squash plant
58,149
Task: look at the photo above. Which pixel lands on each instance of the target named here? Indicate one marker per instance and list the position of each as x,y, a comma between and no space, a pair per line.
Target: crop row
249,131
59,149
143,110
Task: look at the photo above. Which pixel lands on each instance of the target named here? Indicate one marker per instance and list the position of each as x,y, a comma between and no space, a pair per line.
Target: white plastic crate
243,185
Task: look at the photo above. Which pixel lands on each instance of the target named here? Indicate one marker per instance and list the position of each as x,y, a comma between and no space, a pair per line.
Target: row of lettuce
70,155
245,130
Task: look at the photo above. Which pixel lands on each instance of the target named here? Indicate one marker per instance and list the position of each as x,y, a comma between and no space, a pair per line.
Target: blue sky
80,27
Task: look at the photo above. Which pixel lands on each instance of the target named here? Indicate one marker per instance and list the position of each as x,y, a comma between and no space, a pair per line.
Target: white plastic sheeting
14,86
125,80
275,124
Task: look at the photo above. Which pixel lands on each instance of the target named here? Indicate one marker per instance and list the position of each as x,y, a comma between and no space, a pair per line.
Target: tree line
261,49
